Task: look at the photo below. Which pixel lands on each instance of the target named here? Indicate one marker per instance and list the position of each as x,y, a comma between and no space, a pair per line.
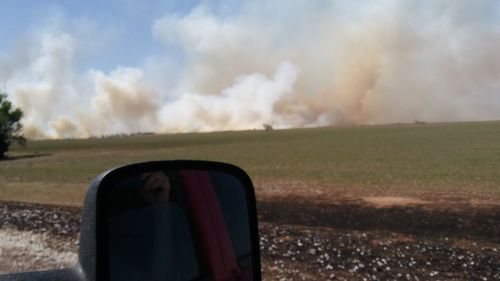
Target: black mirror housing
214,213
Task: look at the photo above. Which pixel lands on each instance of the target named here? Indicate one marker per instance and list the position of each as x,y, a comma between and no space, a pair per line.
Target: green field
461,159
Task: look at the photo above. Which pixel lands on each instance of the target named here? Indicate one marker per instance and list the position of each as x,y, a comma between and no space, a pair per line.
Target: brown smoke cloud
299,65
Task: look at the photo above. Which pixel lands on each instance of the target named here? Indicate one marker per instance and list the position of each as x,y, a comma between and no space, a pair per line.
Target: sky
125,23
93,68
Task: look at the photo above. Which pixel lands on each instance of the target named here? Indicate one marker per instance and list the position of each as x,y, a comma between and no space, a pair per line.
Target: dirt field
400,202
302,238
357,240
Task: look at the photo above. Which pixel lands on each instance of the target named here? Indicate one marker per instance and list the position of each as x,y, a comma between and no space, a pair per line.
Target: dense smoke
305,64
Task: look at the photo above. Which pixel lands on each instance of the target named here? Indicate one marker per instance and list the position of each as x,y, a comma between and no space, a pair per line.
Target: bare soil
27,251
37,237
390,201
379,239
316,237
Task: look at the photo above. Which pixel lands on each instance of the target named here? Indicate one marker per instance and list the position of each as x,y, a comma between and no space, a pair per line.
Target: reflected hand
156,187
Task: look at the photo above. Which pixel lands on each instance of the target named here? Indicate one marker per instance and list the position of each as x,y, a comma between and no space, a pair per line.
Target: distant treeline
122,135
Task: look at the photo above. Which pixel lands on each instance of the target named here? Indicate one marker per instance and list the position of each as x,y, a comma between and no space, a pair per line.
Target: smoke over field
296,65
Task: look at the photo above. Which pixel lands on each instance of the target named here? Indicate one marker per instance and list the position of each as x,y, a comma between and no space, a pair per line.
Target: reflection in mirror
178,225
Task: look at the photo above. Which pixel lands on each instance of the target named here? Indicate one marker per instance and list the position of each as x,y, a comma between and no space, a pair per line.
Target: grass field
460,159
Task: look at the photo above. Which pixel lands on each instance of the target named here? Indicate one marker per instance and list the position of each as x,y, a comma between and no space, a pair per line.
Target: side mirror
166,220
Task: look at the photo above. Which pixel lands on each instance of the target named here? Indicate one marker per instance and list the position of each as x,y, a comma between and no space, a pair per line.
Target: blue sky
124,25
127,22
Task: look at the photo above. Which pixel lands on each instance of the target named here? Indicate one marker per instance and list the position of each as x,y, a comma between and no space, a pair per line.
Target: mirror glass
177,225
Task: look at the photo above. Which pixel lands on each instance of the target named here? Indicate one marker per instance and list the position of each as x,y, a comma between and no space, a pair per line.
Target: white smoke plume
303,64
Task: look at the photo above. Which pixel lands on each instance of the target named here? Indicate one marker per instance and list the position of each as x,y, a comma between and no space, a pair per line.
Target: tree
10,125
268,127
